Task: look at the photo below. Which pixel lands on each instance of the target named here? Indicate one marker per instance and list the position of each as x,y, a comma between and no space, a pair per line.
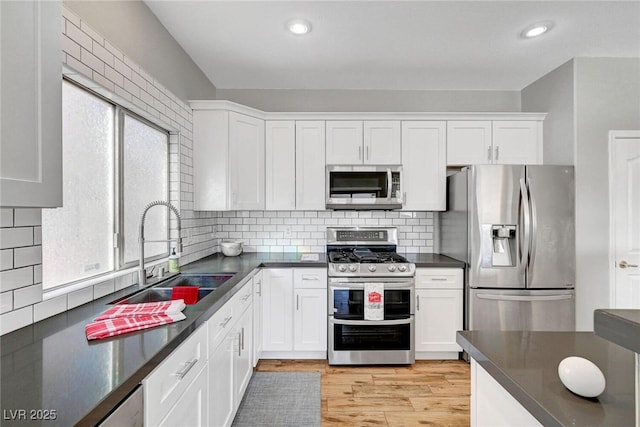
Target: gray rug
280,399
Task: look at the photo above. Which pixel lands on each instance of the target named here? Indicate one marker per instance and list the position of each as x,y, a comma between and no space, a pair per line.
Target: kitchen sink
206,283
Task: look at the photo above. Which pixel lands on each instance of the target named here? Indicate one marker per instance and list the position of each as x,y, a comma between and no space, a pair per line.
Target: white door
257,317
280,169
344,142
624,149
243,364
193,407
221,387
310,165
382,142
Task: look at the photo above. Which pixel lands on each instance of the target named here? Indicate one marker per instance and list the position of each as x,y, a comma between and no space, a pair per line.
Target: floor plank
427,393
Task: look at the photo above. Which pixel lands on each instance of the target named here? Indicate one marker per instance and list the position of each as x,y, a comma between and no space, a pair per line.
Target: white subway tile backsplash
6,217
79,36
17,278
71,47
79,297
27,296
49,308
27,216
78,66
6,259
30,255
103,54
16,237
6,302
16,319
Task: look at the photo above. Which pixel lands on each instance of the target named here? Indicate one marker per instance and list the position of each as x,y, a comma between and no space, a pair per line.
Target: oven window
349,304
371,337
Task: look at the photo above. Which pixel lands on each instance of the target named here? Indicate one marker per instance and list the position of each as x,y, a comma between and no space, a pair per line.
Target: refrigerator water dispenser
499,245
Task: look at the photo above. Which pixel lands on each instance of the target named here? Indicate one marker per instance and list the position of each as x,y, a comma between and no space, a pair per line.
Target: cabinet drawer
439,278
310,278
242,299
164,386
219,324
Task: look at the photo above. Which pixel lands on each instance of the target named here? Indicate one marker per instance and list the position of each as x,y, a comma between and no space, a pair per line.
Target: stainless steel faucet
142,274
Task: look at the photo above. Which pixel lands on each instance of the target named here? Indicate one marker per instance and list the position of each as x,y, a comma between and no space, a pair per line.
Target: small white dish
581,376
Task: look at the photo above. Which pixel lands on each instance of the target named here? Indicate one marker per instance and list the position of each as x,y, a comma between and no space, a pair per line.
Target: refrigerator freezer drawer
538,310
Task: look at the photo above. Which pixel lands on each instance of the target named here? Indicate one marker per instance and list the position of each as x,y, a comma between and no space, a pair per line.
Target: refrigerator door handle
524,297
526,226
534,223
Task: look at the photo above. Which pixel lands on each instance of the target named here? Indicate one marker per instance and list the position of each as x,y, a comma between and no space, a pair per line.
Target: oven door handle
371,322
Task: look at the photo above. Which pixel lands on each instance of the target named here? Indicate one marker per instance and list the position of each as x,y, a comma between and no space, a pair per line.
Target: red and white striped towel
144,309
122,325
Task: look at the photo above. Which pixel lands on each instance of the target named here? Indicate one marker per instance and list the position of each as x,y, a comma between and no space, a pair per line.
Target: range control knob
391,268
372,268
342,268
402,268
353,268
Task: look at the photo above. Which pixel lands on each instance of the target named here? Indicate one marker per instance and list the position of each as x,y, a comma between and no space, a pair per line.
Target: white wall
373,100
554,94
606,96
134,29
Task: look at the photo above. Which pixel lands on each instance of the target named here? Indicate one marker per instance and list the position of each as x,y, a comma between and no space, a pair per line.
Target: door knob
624,264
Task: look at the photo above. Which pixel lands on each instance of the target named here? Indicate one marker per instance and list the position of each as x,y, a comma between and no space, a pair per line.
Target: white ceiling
401,45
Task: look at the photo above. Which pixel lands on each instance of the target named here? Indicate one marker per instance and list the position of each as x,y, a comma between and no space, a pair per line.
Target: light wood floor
427,393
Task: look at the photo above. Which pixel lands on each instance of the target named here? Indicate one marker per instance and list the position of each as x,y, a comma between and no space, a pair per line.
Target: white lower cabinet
230,356
439,312
166,387
257,317
192,409
492,405
294,313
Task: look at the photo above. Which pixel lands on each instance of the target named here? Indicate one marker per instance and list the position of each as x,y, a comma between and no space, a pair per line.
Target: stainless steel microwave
364,187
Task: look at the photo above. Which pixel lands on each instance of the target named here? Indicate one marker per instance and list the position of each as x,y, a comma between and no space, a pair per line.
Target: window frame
118,193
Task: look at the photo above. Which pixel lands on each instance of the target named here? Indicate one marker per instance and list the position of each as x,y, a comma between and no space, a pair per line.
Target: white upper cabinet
310,165
344,142
424,158
517,142
494,142
468,142
280,168
31,104
228,161
382,144
354,142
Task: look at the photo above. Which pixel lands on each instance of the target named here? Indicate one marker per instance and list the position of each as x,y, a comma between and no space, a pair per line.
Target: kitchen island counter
525,364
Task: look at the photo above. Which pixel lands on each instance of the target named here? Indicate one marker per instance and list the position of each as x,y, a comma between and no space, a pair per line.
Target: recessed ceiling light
536,30
299,26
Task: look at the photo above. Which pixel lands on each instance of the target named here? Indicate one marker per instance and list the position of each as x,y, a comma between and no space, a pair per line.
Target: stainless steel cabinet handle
246,297
239,343
489,154
438,279
625,264
418,302
297,302
359,153
259,287
242,335
310,278
188,365
367,156
497,153
225,321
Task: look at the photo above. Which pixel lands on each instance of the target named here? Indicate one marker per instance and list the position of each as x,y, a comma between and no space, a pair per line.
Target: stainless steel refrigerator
514,227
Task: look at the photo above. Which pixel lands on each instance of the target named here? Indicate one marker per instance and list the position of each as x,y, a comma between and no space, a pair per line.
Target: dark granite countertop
619,326
526,365
433,261
51,365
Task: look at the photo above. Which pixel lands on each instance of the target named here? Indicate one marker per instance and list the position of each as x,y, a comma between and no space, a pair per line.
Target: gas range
365,252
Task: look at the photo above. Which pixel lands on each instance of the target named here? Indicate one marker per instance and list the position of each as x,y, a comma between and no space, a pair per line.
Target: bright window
114,164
